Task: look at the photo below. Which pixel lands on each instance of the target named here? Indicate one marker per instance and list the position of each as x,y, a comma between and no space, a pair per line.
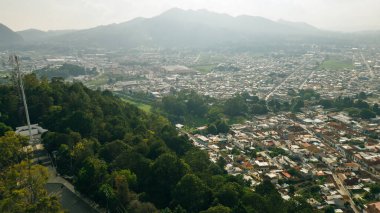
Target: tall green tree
4,128
11,149
235,106
22,190
91,175
166,171
192,193
229,194
217,209
198,160
367,114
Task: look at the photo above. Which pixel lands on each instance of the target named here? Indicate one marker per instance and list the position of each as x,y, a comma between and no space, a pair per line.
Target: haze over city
190,106
334,15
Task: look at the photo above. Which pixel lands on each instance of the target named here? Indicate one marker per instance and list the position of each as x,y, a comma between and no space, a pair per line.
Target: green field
99,81
336,64
206,68
142,106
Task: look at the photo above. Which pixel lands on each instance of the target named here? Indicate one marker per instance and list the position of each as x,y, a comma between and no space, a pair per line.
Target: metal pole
23,98
20,85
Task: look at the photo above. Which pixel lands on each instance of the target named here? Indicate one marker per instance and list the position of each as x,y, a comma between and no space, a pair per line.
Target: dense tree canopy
22,184
192,193
354,106
11,146
64,71
180,107
128,160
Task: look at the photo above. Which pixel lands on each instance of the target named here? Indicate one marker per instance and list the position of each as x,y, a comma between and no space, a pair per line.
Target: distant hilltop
8,37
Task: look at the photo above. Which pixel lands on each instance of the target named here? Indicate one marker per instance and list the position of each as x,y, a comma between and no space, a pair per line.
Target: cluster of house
290,150
157,73
271,75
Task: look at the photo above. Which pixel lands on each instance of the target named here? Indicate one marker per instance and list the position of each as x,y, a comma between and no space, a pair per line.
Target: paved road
307,78
368,67
282,82
344,191
54,178
197,59
69,196
339,183
69,200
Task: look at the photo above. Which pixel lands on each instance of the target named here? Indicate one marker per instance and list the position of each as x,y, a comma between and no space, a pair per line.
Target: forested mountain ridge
7,36
189,28
177,28
132,161
32,35
195,29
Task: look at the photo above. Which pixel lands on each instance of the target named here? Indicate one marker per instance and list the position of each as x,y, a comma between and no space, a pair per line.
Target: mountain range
32,35
7,36
178,28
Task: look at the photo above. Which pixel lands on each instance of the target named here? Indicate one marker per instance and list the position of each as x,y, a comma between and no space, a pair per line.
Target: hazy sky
341,15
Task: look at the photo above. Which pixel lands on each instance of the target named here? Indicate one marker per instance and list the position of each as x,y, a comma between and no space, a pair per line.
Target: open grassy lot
336,64
206,68
142,106
98,81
